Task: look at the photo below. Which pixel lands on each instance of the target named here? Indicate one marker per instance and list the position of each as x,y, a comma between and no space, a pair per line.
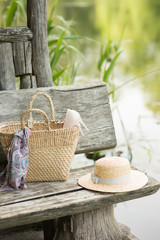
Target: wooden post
92,225
28,81
7,72
22,58
37,22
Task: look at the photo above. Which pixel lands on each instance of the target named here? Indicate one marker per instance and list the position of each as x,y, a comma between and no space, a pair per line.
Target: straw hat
113,174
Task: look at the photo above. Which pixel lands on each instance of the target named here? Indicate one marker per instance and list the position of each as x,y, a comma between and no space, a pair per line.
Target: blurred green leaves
108,71
107,62
11,13
108,59
62,48
14,13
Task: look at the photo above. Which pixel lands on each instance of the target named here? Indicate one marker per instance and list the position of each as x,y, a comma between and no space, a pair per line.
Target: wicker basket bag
51,147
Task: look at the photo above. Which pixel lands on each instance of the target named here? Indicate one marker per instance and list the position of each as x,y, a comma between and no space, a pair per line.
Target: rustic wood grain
25,82
91,101
68,203
37,22
19,59
34,82
28,81
28,57
67,199
15,34
44,189
47,189
7,71
22,58
96,224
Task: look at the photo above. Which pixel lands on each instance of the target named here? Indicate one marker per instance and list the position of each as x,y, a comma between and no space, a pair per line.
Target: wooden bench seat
52,200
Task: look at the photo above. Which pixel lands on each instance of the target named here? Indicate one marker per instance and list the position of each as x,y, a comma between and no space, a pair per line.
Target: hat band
110,180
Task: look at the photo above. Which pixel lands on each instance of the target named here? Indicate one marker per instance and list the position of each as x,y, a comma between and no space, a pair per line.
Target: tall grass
62,48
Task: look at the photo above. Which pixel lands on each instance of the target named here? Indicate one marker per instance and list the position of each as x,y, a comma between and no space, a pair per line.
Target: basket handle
36,111
49,100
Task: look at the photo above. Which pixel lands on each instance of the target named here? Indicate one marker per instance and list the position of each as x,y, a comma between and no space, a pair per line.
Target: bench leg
98,224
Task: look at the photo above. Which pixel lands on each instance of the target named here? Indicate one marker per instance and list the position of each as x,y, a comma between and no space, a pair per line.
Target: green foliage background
103,21
120,20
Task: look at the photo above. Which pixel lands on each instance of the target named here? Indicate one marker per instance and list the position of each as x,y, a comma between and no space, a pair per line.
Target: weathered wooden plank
91,101
37,22
68,203
28,81
25,82
15,34
33,82
22,58
47,189
44,189
19,59
7,72
28,57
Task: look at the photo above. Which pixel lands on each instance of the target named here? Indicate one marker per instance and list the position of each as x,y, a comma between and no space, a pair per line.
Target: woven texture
51,147
111,167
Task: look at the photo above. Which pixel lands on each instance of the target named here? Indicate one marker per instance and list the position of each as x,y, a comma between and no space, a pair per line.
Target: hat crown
112,167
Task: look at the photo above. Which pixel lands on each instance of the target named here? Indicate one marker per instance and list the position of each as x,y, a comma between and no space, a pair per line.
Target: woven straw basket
51,147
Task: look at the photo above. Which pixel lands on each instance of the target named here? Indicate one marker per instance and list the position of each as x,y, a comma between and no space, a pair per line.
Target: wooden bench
67,210
78,213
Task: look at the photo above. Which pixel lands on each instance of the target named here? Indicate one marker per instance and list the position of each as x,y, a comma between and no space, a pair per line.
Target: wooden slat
22,58
65,203
42,189
7,71
15,34
28,81
46,189
91,101
28,57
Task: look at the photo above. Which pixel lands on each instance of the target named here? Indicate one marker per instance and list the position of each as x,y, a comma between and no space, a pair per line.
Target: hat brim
136,181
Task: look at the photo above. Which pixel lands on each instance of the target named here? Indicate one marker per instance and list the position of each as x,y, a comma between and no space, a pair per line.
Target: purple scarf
15,172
